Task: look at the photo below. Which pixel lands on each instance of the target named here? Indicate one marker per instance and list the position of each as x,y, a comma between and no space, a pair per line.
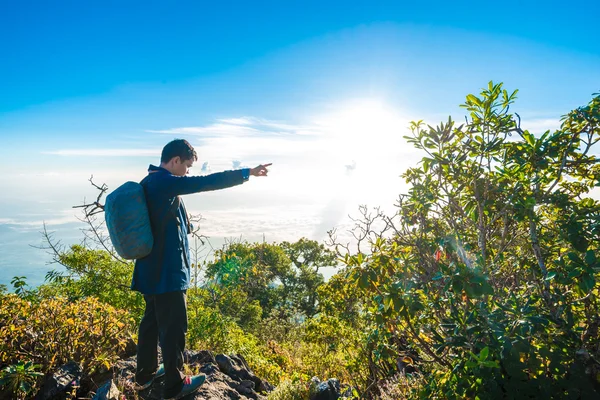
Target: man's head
178,156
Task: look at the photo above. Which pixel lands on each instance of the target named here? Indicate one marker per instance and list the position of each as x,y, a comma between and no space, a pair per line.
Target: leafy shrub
283,278
290,390
488,271
20,379
209,329
53,331
399,386
330,347
95,273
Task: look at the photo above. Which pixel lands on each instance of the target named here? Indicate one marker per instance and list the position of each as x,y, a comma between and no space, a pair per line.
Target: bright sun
364,130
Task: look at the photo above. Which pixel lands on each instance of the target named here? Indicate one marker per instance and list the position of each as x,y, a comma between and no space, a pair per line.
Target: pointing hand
261,170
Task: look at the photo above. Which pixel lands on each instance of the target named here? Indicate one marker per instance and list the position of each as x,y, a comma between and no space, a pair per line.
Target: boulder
326,390
64,381
237,368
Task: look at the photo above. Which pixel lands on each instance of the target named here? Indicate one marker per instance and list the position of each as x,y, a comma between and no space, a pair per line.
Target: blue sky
323,90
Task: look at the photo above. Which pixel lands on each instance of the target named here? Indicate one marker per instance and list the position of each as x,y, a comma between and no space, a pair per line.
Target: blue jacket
152,275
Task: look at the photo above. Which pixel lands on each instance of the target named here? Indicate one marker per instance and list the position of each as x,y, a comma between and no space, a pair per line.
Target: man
164,275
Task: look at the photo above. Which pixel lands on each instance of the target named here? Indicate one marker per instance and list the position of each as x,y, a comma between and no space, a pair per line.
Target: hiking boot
191,384
158,374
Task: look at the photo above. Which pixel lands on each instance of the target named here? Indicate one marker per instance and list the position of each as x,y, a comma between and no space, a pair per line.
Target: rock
227,377
65,380
225,364
199,357
247,384
108,391
209,369
237,368
265,387
326,390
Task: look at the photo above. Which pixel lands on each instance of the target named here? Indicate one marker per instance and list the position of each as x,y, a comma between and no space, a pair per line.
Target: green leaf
575,258
587,283
364,281
398,304
538,320
388,302
472,99
590,258
574,273
437,276
529,138
486,288
483,355
550,275
490,364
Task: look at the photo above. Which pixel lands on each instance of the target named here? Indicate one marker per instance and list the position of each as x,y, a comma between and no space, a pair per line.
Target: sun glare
364,154
364,130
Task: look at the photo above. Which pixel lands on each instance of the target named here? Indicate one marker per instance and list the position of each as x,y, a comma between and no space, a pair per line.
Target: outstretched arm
178,185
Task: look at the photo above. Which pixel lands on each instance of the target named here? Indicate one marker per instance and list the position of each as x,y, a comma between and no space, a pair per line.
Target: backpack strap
181,234
162,230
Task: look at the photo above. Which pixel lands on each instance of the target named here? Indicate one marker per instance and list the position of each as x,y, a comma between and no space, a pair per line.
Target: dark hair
178,148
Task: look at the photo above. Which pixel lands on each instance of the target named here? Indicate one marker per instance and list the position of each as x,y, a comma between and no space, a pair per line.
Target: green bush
94,273
208,329
20,379
289,390
491,272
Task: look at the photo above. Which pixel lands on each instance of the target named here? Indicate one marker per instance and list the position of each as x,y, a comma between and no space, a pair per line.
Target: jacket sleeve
173,185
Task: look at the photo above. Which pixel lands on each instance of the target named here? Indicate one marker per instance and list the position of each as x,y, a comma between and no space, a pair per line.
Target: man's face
182,167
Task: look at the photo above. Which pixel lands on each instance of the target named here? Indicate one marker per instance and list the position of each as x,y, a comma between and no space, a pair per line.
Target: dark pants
165,320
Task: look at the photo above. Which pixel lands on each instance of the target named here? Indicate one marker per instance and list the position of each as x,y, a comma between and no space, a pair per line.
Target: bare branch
95,207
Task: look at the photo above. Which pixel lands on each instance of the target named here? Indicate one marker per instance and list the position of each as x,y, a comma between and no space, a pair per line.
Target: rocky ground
227,377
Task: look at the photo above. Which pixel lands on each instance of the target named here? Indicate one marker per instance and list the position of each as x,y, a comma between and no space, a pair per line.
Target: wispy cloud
241,126
105,152
67,217
213,130
239,121
541,125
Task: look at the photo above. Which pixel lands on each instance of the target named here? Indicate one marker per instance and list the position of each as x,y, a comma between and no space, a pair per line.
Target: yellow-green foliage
324,346
255,353
94,273
209,330
54,331
289,390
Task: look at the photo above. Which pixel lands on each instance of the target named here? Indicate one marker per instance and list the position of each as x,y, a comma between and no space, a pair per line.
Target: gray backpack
128,222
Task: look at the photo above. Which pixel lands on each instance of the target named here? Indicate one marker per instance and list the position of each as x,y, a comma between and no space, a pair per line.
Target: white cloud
59,218
541,125
105,152
240,127
213,130
239,121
